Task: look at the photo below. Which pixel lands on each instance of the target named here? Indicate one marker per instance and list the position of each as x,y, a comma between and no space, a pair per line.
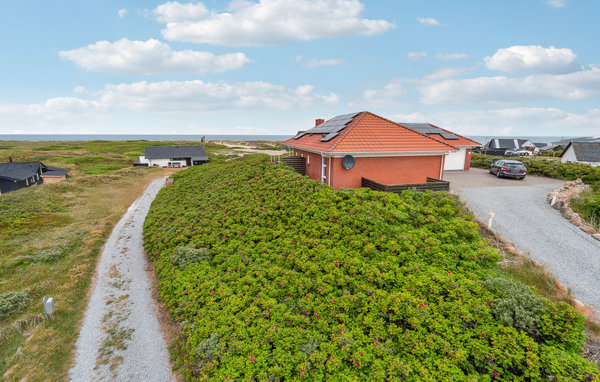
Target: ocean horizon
224,137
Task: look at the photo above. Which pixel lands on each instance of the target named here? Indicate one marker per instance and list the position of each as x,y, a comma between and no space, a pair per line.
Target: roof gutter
374,153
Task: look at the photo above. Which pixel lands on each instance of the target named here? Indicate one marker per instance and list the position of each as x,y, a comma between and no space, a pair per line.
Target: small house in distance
499,146
582,152
14,176
342,151
459,160
173,156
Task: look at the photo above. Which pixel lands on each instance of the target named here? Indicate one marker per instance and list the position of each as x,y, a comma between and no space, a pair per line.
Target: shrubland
276,277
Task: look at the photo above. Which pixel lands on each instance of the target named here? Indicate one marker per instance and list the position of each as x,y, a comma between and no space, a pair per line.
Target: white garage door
455,160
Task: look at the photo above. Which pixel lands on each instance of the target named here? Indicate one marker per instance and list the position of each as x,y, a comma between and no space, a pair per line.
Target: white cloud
122,13
199,96
149,57
557,3
139,103
266,22
518,59
315,62
583,84
452,56
172,12
509,121
415,56
429,21
447,73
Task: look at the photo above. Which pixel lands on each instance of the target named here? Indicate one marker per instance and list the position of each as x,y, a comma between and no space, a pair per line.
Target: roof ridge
348,128
452,132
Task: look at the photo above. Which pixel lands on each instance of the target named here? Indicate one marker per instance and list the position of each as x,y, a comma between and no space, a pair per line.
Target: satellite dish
348,162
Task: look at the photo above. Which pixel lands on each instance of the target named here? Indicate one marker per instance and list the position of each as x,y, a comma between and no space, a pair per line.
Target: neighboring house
346,148
174,156
582,152
459,160
565,142
499,146
550,148
509,144
14,176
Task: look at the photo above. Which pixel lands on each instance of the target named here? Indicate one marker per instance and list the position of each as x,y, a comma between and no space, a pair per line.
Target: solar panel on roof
333,125
329,136
449,136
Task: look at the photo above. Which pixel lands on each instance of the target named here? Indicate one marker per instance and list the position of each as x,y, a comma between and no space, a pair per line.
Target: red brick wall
468,159
313,164
386,170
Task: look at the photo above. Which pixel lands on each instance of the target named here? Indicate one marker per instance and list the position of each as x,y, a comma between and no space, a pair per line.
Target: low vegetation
276,277
587,205
50,238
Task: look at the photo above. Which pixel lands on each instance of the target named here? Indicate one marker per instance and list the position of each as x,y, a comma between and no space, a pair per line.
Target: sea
197,137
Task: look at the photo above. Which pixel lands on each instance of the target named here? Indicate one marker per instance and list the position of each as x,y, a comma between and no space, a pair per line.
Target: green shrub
587,204
516,304
209,347
13,303
187,254
305,282
563,327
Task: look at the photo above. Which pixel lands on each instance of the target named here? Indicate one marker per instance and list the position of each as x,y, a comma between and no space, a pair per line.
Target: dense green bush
516,304
587,204
187,254
306,283
13,303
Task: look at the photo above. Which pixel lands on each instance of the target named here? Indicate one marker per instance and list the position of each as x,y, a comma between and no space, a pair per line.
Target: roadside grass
518,266
50,239
587,205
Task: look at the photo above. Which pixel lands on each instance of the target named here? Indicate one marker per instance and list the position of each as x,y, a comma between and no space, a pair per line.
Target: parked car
509,169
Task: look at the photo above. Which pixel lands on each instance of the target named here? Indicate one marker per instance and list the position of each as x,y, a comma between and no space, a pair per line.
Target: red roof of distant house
368,132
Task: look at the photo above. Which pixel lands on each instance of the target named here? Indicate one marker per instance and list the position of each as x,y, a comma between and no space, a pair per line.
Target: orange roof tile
368,132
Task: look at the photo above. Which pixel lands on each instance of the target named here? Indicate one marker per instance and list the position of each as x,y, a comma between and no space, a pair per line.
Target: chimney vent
319,121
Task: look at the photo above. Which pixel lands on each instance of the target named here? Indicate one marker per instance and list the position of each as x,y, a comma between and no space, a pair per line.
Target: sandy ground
120,339
245,147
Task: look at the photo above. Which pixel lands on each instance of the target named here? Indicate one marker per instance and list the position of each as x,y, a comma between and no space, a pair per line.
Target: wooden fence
432,184
296,162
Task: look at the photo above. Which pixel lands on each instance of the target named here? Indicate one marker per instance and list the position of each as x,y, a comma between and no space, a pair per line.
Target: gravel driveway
120,339
523,217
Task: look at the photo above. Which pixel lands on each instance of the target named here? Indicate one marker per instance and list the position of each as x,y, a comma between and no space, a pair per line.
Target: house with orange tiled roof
341,151
459,160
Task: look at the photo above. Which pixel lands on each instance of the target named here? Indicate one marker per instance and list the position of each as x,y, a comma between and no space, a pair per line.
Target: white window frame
324,169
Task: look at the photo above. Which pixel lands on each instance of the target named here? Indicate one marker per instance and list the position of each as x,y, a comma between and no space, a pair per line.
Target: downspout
329,169
443,160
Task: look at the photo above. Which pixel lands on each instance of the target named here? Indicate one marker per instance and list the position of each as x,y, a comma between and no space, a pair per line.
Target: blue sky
529,67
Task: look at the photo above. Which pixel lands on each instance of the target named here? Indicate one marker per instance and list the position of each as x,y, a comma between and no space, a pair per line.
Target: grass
50,239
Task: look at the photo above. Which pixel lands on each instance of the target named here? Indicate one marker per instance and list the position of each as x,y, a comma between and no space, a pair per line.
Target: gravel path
523,217
120,339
